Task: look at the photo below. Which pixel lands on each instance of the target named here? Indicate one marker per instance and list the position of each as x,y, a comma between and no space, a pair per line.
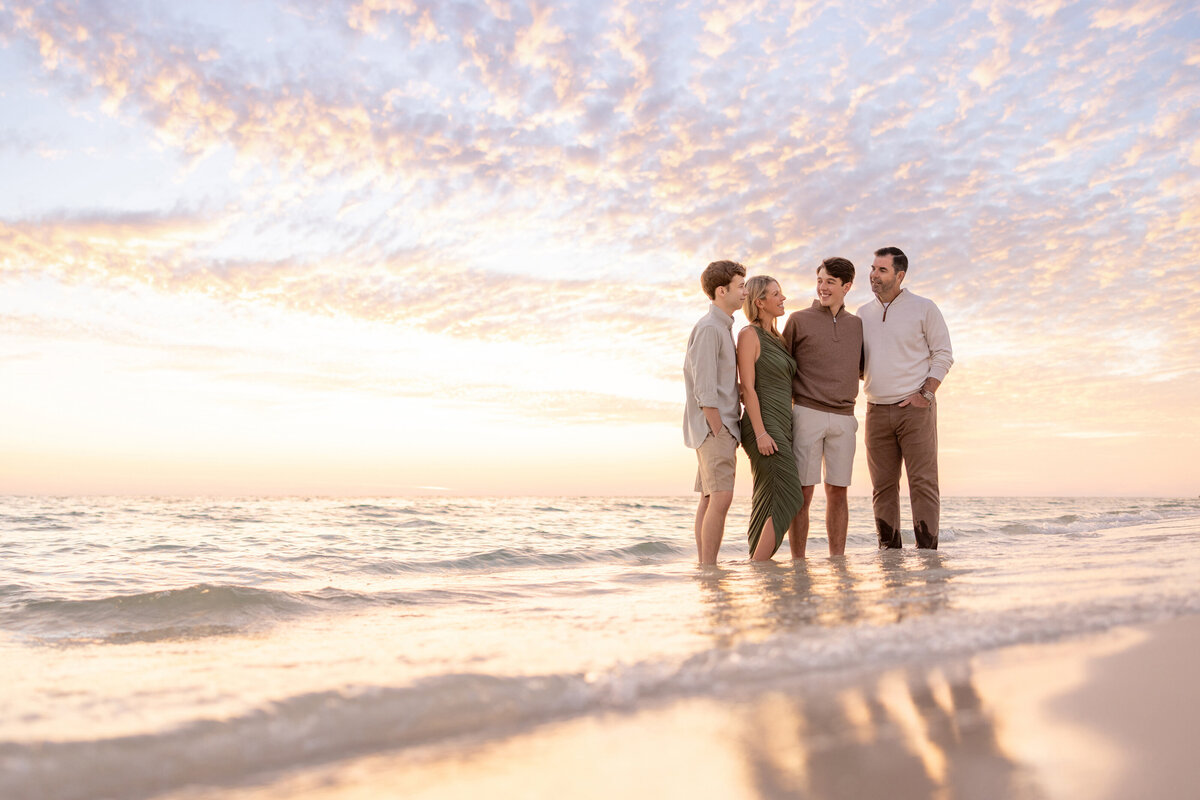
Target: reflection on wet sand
904,733
916,733
907,733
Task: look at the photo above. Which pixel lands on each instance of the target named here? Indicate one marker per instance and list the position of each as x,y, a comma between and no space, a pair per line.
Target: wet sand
1109,716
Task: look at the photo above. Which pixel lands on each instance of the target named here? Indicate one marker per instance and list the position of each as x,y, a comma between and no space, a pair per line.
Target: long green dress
777,491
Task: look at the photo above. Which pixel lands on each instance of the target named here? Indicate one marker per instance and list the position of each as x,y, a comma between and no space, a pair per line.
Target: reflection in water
914,584
718,601
911,733
759,600
916,733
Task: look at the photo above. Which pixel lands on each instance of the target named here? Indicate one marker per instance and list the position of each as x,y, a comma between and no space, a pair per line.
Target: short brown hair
719,273
838,267
899,260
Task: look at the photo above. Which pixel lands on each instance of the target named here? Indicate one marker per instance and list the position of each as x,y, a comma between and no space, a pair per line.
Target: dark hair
838,267
719,273
899,260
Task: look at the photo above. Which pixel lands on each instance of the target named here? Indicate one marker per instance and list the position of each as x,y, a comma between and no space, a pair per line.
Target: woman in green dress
765,370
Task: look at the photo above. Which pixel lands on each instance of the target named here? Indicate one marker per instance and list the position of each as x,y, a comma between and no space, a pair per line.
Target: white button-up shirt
710,377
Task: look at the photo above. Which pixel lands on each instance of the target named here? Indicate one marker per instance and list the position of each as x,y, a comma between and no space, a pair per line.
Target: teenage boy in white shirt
711,414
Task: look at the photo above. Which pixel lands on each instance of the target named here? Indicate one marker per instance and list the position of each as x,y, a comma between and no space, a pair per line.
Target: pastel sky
453,246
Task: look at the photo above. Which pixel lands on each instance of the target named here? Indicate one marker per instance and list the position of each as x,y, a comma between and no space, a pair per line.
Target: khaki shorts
820,436
718,460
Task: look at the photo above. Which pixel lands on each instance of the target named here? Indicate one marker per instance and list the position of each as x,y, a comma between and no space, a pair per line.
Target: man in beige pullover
826,341
907,354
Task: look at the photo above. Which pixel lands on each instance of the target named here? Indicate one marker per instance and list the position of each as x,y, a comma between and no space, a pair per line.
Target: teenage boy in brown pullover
827,342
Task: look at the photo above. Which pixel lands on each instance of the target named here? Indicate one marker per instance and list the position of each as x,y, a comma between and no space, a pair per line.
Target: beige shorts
820,436
718,460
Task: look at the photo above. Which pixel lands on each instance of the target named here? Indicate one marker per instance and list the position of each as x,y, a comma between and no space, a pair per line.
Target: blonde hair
756,289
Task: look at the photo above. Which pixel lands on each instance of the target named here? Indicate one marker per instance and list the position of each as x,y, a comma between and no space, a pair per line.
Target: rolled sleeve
703,357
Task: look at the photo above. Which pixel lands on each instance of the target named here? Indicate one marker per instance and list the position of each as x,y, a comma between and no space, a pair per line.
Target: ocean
162,647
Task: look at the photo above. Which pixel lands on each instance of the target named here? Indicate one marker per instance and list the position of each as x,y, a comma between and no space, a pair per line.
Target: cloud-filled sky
399,246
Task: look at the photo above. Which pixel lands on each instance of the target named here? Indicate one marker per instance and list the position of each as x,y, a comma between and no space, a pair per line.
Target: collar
894,299
721,315
816,304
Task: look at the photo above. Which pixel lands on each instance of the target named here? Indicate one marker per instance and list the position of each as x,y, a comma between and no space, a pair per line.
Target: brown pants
907,435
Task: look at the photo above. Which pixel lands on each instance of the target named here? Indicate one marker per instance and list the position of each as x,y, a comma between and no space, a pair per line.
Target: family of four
789,400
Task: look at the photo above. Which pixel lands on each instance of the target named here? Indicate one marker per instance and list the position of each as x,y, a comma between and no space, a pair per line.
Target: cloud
414,286
487,171
1127,15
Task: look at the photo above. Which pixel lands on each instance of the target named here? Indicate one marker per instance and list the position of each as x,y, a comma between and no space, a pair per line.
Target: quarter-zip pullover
828,353
903,344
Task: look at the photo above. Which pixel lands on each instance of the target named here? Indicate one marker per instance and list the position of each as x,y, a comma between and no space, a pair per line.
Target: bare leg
837,518
700,511
713,528
766,542
798,530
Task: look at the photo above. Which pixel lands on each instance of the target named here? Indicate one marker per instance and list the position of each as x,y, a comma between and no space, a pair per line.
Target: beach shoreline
1107,715
319,650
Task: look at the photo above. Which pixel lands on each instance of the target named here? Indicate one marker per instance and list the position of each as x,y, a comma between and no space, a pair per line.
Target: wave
191,612
1079,523
310,728
11,591
641,553
205,610
316,726
200,598
423,524
636,506
381,512
38,524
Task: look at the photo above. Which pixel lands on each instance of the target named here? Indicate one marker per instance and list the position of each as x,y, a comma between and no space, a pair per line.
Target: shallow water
151,644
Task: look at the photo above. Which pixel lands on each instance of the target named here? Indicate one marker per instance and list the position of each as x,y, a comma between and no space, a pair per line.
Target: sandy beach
1106,716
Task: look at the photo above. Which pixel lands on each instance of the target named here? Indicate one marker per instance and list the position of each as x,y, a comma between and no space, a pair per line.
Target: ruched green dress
777,491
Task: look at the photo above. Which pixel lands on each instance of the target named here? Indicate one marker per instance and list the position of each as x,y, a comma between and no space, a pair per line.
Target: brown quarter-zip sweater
828,353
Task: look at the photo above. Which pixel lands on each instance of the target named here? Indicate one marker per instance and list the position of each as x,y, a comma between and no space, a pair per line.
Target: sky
399,247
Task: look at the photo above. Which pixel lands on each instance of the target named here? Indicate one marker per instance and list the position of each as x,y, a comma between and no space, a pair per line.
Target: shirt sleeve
937,336
702,359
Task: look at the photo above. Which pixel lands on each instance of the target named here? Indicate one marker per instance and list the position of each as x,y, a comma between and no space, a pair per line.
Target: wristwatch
928,395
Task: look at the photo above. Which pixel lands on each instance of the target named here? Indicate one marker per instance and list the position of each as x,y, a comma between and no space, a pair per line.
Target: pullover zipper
886,306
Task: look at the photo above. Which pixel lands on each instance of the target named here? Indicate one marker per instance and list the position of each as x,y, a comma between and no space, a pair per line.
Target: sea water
149,645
